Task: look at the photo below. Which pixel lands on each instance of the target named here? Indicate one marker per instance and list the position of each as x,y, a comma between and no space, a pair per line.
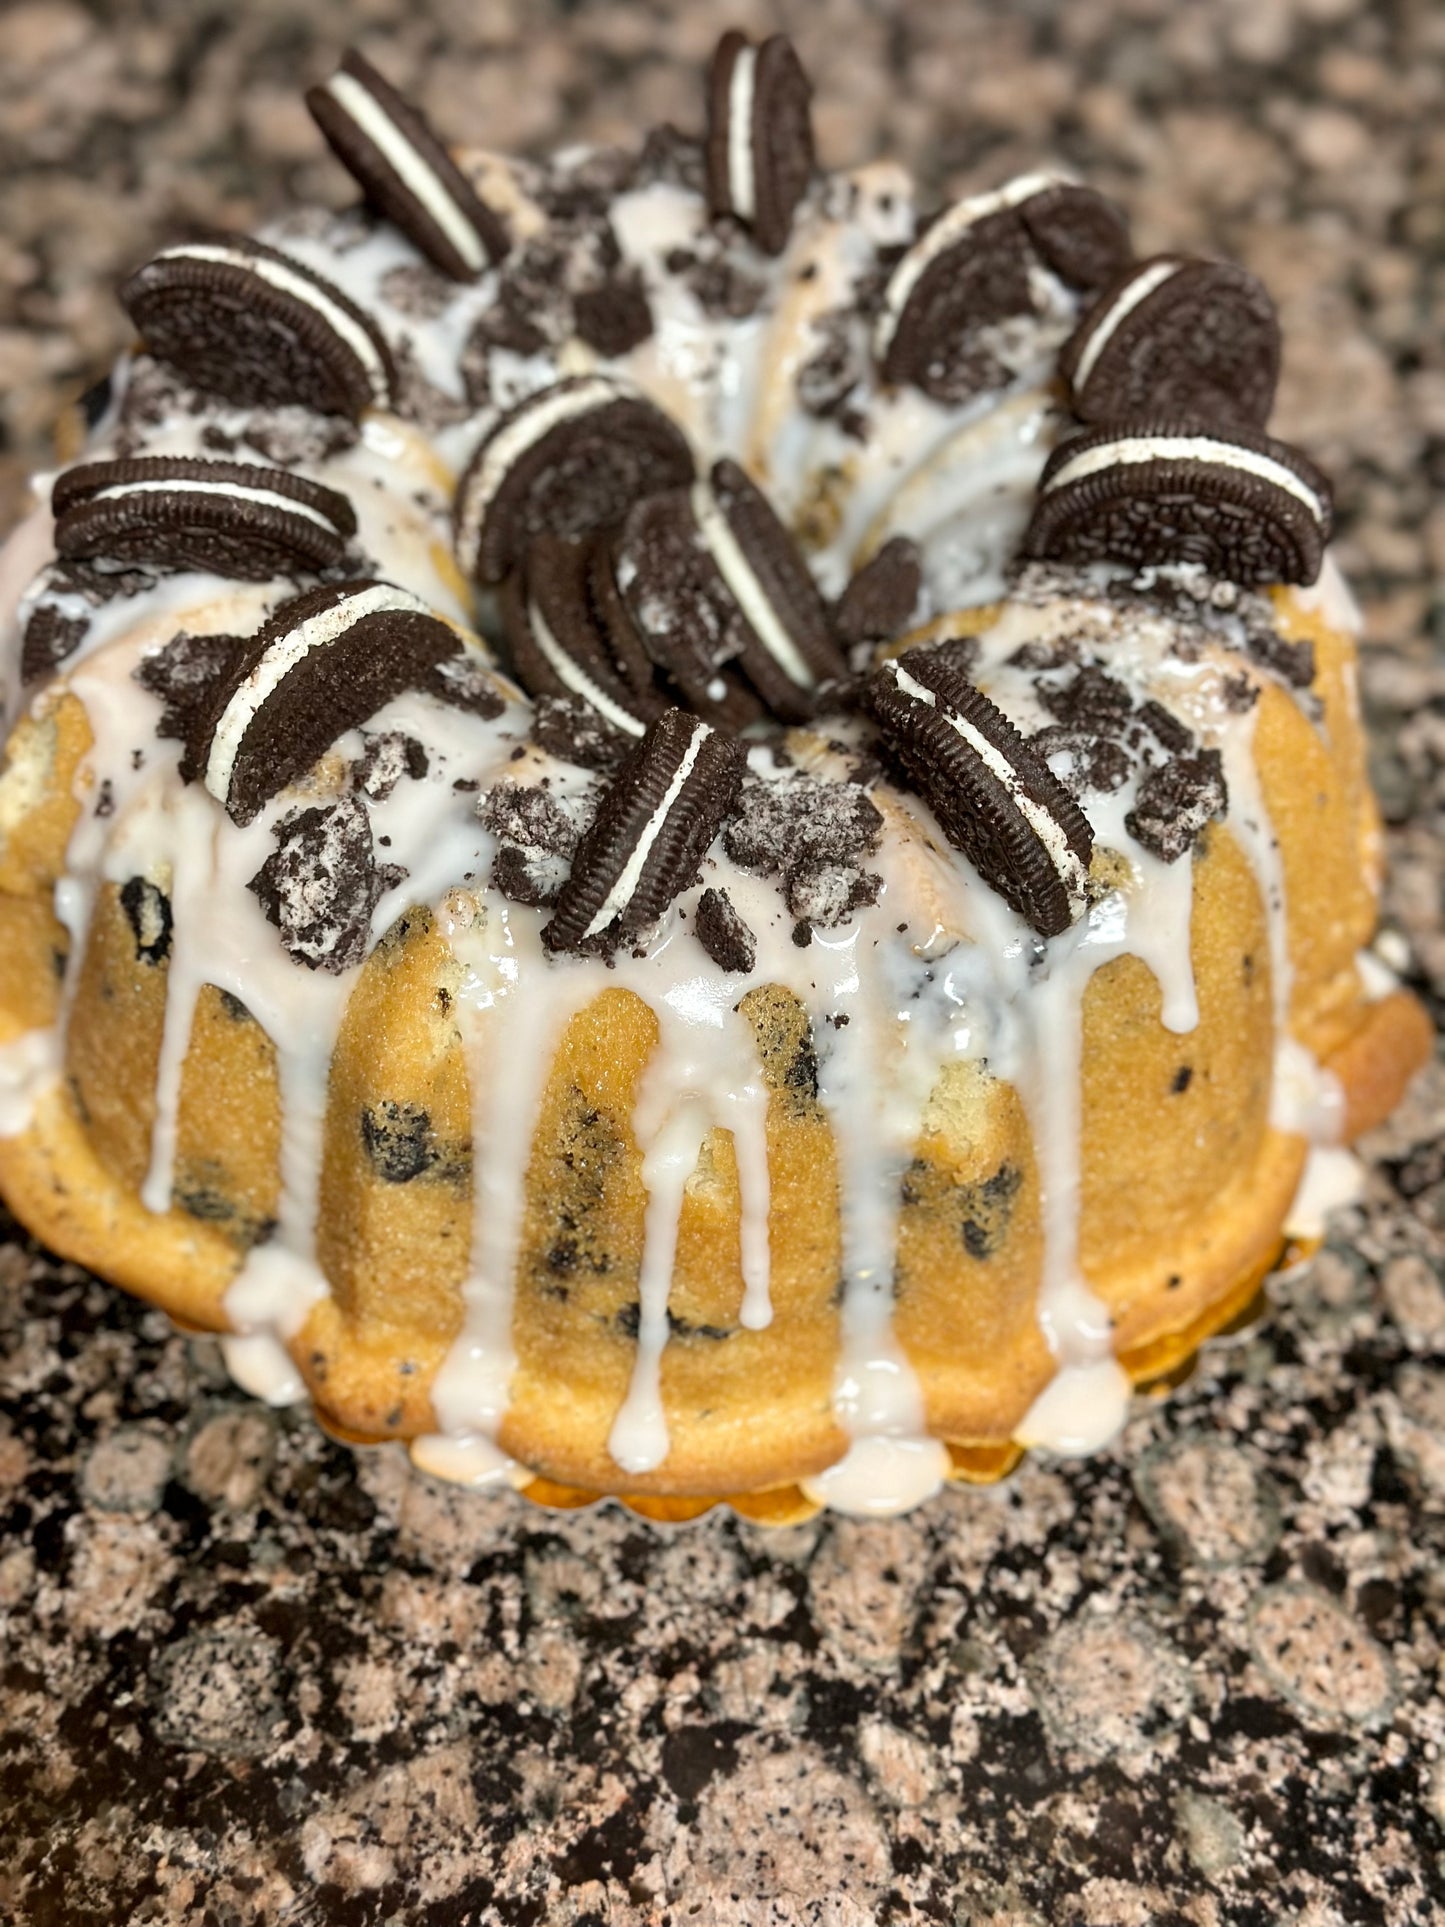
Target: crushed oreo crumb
390,755
536,838
723,934
183,674
322,883
814,836
1176,801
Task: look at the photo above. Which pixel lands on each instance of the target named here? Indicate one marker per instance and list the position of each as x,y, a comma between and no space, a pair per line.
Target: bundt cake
674,830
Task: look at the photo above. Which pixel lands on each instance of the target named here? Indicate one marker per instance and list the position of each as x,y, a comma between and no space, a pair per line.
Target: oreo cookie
244,321
714,584
1147,491
569,459
759,147
970,271
557,647
1175,336
234,519
389,149
788,649
647,839
996,800
324,663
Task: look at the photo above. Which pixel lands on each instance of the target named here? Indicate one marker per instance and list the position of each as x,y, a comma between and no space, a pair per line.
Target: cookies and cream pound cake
674,827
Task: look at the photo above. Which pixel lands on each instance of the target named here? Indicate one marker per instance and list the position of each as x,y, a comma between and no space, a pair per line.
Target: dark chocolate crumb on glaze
233,519
384,184
1174,804
648,838
881,600
536,841
723,934
232,332
1204,341
814,836
185,674
1021,829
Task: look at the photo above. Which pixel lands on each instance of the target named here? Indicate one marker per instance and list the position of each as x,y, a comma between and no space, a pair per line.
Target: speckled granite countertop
249,1677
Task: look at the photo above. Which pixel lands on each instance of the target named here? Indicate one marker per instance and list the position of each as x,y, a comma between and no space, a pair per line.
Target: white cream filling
508,444
267,498
1070,870
946,232
1187,448
316,632
742,188
1128,299
751,597
576,678
620,895
287,281
415,173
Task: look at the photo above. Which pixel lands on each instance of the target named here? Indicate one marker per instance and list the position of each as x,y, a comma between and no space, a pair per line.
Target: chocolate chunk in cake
388,147
1176,337
322,883
723,934
325,661
1147,492
570,459
233,519
995,798
243,321
759,149
664,808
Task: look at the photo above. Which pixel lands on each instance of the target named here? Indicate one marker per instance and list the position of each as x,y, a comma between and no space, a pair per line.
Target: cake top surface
877,602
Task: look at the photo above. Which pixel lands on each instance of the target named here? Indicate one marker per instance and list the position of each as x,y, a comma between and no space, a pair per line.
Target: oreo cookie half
996,800
645,843
759,147
557,648
388,147
1176,336
324,662
787,648
569,459
243,321
1144,492
234,519
970,268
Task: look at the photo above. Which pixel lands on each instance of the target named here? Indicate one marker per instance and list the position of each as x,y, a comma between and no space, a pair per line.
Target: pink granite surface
247,1677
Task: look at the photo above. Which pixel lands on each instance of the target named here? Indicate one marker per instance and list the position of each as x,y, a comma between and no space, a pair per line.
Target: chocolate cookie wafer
235,519
970,270
388,147
688,622
759,146
1234,501
995,799
557,647
881,598
569,459
788,649
1175,336
324,662
645,843
243,321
